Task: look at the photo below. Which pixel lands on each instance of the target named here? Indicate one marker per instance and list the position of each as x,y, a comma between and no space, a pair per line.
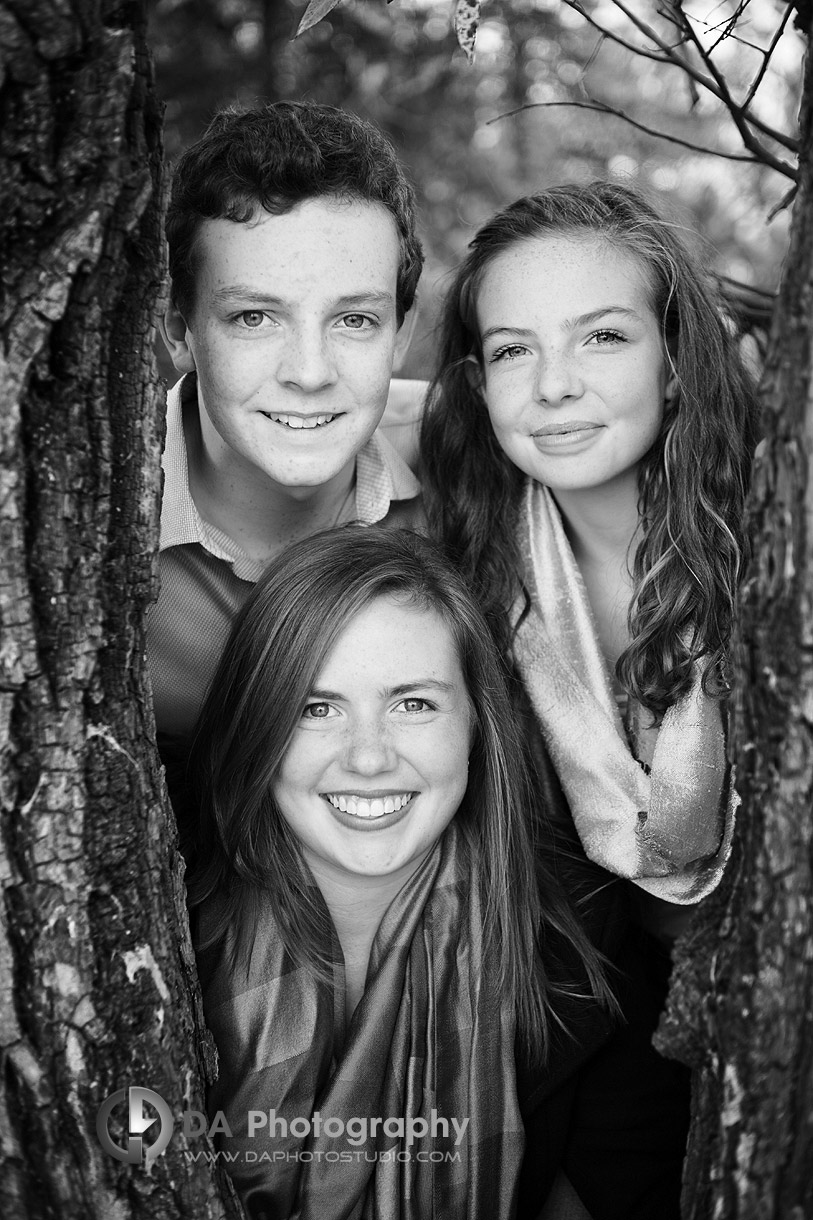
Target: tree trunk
741,1008
96,970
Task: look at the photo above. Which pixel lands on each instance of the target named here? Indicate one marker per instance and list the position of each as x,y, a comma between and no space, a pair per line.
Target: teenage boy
294,261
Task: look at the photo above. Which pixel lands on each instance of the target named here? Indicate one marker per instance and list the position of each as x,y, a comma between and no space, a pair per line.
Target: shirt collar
381,477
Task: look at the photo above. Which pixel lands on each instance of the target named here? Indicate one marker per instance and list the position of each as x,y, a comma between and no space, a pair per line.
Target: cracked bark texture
97,982
741,1004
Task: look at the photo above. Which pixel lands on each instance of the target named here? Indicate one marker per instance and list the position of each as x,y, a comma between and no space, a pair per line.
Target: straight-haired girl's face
378,764
575,371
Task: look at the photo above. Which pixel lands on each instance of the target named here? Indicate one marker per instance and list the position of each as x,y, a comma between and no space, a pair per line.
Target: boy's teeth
363,807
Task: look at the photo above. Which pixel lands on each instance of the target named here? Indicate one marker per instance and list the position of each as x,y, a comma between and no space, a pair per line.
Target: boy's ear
404,337
175,334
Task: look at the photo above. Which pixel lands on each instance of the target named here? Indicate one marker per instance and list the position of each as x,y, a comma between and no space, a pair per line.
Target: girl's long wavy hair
244,852
692,483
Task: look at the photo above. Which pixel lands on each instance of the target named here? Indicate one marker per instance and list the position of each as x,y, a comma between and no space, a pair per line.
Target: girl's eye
605,337
357,321
417,705
318,711
511,351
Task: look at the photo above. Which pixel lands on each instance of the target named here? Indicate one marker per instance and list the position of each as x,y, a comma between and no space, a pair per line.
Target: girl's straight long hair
692,483
243,850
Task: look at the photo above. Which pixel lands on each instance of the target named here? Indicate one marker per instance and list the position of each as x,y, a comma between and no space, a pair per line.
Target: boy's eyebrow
584,319
366,298
257,296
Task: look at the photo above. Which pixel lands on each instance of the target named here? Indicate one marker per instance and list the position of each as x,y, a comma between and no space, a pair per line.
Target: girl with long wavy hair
410,1015
585,459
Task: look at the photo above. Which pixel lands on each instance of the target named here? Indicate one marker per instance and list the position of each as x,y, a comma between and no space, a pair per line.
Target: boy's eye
252,318
356,321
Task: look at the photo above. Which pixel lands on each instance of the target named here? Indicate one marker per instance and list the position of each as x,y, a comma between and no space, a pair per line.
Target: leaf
316,10
466,20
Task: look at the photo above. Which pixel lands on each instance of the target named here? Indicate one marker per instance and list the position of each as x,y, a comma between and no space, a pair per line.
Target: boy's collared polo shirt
206,577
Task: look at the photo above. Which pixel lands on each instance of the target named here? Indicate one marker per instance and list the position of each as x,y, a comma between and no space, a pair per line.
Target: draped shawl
430,1040
667,828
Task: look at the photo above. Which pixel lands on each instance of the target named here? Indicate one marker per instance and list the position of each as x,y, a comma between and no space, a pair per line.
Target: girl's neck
357,905
601,523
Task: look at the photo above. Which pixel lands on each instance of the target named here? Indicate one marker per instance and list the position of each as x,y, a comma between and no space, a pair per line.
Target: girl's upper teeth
299,421
370,807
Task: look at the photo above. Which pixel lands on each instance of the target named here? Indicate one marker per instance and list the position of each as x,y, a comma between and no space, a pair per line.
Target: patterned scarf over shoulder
668,826
411,1112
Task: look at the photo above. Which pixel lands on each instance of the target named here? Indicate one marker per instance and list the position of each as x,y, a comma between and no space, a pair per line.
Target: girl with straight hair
410,1015
585,459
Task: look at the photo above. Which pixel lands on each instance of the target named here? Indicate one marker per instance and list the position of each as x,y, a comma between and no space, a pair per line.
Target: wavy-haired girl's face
378,763
575,371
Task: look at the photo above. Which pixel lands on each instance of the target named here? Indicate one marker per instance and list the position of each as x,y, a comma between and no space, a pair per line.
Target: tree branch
741,120
669,55
780,29
603,108
728,27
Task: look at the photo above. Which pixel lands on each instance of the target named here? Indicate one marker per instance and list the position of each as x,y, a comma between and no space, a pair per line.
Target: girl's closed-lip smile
563,433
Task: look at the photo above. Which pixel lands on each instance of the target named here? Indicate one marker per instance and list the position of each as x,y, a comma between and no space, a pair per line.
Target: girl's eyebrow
407,688
516,332
404,688
585,319
595,315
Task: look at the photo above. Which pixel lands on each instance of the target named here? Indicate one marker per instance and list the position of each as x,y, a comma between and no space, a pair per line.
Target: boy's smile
292,337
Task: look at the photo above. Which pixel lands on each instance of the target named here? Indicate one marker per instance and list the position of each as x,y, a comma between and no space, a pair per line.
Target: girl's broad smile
378,764
369,805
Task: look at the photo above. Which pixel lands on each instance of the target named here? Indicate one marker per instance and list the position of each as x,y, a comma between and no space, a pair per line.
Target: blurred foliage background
399,65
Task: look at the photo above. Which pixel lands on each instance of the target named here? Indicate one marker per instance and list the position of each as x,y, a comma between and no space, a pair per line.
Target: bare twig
741,120
784,202
728,34
603,108
669,55
757,81
728,26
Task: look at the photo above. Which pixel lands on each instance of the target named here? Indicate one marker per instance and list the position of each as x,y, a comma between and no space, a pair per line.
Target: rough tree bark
97,987
741,1007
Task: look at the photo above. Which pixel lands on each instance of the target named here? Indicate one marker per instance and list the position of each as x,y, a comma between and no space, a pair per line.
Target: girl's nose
369,749
556,379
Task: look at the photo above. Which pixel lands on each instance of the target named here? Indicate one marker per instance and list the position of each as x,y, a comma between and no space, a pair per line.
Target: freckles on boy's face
292,336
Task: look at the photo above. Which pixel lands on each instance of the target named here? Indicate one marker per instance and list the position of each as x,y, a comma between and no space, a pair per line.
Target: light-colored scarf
668,831
430,1037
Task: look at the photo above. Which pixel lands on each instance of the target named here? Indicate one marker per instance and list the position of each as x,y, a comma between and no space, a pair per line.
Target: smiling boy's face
292,336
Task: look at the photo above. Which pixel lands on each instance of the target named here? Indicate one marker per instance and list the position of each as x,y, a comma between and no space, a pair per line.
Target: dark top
607,1109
